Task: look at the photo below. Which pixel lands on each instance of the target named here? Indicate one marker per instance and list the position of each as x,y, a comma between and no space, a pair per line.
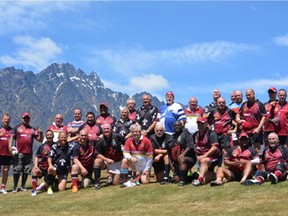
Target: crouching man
138,155
83,161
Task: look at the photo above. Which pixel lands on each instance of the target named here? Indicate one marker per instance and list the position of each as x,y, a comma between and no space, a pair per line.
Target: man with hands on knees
138,155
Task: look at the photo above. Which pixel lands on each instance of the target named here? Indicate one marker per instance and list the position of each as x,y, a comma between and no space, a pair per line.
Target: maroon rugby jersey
252,114
236,153
42,153
272,112
93,131
222,121
85,154
5,135
204,142
111,147
282,127
24,138
108,119
271,157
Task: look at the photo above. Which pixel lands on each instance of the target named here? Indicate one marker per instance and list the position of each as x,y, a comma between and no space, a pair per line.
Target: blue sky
188,47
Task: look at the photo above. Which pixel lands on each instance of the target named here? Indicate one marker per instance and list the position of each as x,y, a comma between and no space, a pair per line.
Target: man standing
224,125
272,110
5,150
73,126
57,126
170,113
147,116
215,94
193,112
105,116
91,127
24,134
282,117
131,107
251,116
123,124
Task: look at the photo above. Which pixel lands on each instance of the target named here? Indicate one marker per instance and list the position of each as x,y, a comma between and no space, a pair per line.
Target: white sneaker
3,191
40,187
196,183
33,193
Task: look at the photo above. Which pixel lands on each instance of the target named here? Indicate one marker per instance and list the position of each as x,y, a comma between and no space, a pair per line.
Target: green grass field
153,199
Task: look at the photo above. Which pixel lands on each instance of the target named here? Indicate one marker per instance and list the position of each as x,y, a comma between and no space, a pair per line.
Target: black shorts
213,164
5,160
158,166
62,173
22,163
224,140
256,138
283,140
236,176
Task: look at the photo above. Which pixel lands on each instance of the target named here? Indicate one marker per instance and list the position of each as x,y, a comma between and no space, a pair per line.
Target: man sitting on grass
275,160
238,161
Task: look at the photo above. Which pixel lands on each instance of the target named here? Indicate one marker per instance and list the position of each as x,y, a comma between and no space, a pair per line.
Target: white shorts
114,168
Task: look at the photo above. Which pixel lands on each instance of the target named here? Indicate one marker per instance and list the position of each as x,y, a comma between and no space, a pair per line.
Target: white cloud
31,52
128,61
260,86
149,82
281,40
146,82
24,16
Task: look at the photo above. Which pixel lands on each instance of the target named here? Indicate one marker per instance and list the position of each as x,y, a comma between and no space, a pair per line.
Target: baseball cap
202,120
243,134
104,104
272,89
170,93
25,114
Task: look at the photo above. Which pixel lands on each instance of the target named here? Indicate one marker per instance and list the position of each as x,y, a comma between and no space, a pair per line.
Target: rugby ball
14,150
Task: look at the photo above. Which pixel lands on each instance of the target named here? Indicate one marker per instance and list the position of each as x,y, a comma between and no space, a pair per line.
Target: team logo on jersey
81,151
114,143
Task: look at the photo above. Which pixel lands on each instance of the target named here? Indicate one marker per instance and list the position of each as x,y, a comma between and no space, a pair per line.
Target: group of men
168,138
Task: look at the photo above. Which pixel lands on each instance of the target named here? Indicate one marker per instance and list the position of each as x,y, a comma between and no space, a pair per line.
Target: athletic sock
24,179
124,175
278,173
97,174
15,180
182,175
74,178
34,182
166,171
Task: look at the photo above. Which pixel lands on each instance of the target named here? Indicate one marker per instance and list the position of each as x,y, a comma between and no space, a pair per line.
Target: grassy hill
153,199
